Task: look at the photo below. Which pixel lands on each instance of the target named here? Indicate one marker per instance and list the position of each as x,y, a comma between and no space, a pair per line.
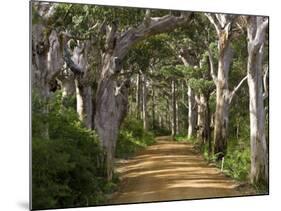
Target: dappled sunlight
170,171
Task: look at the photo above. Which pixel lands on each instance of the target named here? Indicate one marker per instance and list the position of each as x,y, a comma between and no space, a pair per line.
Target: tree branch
184,61
230,96
157,25
212,66
213,19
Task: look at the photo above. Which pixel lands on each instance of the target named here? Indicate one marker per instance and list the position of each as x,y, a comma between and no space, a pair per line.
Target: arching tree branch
157,25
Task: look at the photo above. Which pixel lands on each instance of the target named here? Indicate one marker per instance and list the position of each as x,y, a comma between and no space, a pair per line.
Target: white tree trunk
191,113
144,102
259,149
222,24
174,109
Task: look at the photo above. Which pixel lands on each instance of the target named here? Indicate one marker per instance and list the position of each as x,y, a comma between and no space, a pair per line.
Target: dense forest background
106,81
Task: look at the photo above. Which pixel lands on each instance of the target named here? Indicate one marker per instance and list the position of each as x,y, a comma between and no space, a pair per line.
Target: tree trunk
47,62
111,108
222,97
144,103
202,122
153,107
84,103
208,127
223,25
174,109
259,149
177,118
138,96
191,113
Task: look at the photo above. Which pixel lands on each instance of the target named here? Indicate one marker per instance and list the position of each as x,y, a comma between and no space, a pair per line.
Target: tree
111,105
47,58
256,31
223,24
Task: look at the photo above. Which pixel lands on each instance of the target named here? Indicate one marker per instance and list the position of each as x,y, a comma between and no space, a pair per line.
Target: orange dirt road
169,170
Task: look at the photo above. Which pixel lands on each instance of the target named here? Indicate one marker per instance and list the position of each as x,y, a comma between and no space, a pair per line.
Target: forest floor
169,170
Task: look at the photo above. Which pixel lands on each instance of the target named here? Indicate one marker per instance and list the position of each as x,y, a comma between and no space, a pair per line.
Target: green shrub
237,161
132,137
67,170
184,138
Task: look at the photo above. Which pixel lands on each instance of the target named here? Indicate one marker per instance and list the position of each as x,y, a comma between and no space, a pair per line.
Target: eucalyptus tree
224,25
110,102
256,36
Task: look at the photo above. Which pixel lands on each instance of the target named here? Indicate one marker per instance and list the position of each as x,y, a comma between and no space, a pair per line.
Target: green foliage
132,137
184,138
160,131
237,161
67,170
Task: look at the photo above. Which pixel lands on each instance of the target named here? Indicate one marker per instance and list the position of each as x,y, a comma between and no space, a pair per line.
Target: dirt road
170,171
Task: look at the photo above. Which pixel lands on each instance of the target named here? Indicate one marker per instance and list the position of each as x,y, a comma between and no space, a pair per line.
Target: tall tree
256,31
223,24
111,105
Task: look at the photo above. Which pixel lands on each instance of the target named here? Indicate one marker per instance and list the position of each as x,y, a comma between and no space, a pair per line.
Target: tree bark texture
222,24
259,149
83,85
47,60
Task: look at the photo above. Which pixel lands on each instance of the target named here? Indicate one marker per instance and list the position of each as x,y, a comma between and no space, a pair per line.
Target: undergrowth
132,138
66,167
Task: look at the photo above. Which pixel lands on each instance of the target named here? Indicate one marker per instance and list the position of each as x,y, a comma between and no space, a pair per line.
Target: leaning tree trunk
259,149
